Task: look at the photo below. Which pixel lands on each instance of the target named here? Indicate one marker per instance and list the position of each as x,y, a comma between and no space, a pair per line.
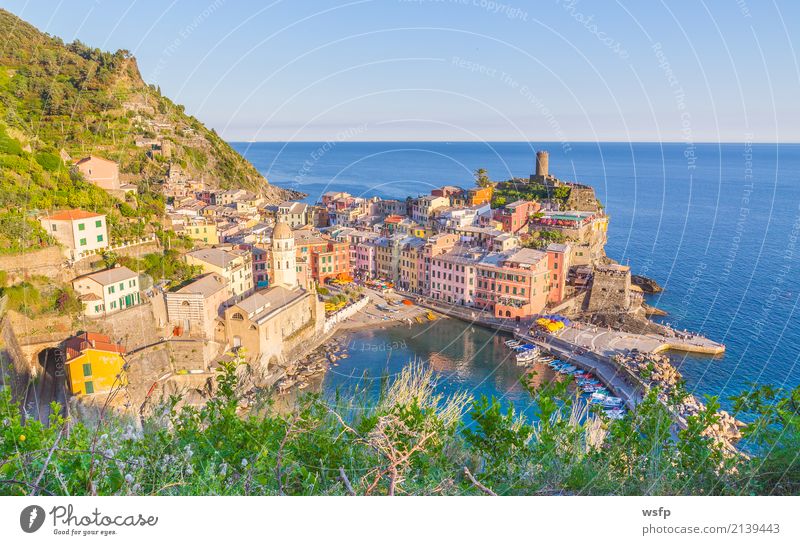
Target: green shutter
89,387
87,369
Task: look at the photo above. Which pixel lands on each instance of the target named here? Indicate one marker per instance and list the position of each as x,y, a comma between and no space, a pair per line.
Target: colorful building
513,285
452,276
107,291
94,364
514,217
558,263
78,231
201,230
101,172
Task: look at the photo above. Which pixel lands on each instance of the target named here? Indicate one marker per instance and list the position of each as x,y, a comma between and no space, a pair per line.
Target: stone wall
344,314
611,289
16,371
582,198
45,262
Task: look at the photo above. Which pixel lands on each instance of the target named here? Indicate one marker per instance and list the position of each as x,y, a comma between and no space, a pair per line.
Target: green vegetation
166,265
84,100
514,190
38,296
539,239
410,441
71,100
482,178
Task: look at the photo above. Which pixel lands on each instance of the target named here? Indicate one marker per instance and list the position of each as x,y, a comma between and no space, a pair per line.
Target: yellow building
94,364
201,231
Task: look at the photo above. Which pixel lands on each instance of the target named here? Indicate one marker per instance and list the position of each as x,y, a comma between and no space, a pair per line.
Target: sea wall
344,314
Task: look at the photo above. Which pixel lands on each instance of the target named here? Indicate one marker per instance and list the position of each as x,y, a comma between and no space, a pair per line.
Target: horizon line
557,143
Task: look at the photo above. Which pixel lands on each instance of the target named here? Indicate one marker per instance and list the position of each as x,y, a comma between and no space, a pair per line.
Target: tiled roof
71,215
111,276
79,343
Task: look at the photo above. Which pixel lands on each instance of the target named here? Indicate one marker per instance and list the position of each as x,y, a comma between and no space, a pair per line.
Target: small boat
615,414
512,343
568,369
527,356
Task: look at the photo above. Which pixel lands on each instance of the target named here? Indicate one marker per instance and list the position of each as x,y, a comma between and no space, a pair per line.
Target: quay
589,347
620,381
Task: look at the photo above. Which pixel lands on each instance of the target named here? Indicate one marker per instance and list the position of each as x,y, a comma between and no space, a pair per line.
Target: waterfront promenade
619,380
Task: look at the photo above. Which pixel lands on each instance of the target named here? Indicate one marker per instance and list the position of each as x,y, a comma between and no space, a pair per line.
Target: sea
716,225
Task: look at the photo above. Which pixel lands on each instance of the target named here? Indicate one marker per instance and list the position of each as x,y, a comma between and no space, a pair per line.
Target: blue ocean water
715,224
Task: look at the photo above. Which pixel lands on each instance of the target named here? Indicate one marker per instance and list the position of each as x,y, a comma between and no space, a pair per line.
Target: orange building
324,258
558,262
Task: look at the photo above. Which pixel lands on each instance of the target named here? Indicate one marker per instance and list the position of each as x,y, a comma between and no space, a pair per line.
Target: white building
78,231
107,291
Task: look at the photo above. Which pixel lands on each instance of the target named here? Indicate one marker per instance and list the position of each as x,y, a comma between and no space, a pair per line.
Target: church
273,322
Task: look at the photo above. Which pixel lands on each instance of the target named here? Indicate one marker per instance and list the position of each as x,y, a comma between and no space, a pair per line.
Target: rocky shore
657,371
648,285
299,373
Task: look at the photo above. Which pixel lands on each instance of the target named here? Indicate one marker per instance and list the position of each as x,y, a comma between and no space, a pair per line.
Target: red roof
69,215
79,343
394,218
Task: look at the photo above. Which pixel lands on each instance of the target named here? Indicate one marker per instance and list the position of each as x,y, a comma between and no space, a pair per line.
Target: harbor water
716,225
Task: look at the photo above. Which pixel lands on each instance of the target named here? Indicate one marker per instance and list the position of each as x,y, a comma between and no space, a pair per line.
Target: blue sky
459,69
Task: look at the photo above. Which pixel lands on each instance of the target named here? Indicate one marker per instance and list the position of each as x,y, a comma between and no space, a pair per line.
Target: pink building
434,246
514,216
101,172
366,265
453,275
513,284
558,262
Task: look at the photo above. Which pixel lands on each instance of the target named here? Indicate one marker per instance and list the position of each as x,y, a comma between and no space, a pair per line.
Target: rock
648,285
653,311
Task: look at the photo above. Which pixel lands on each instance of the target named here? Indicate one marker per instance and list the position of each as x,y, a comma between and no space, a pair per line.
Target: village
270,283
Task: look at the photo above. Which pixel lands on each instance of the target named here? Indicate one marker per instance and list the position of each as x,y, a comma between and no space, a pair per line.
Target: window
99,238
237,316
87,369
54,228
110,289
83,242
81,227
98,223
121,286
89,387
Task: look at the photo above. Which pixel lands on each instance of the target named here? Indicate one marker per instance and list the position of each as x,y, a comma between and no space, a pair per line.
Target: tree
482,178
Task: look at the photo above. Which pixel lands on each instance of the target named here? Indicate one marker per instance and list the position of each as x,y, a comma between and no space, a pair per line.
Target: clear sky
459,69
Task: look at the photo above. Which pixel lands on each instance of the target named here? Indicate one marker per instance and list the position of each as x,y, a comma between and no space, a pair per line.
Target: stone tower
284,260
542,163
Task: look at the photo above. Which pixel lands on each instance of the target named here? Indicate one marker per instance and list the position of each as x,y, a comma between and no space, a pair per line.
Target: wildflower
223,469
189,470
244,462
128,478
22,439
108,453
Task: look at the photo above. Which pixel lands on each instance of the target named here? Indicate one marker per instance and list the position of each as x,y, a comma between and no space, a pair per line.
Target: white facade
78,231
108,291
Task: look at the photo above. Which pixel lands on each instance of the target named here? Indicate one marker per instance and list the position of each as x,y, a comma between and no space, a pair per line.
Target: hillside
62,101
